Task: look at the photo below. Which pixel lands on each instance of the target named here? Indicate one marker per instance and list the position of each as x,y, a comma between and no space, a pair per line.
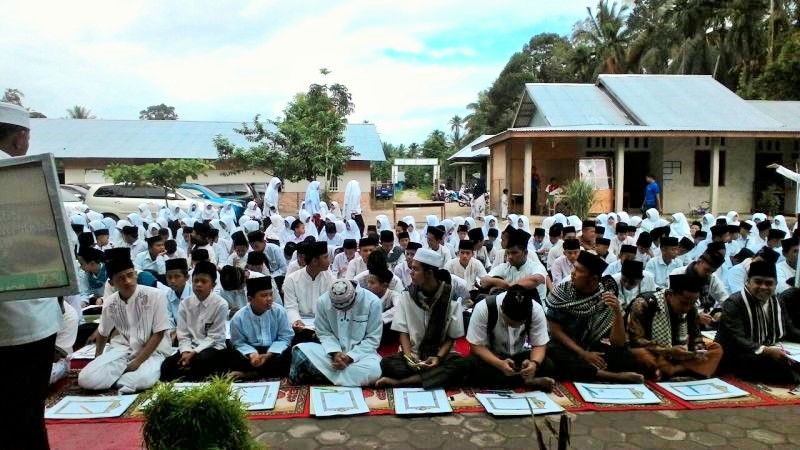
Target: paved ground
748,428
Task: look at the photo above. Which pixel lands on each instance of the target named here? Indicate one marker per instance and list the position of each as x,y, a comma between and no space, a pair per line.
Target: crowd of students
616,298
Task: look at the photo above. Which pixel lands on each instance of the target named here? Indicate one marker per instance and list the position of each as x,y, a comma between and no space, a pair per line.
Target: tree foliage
158,112
14,96
306,143
80,112
168,174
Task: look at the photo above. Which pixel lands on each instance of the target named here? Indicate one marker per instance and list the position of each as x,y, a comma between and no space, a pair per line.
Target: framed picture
36,257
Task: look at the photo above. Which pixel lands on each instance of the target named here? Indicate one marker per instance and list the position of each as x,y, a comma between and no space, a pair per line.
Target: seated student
276,259
65,340
232,285
298,231
480,253
201,330
752,325
435,239
394,253
101,240
664,332
499,247
199,254
151,260
179,289
303,287
256,262
403,238
491,244
130,237
662,265
587,236
378,282
685,247
713,293
377,260
359,263
562,266
644,250
201,238
139,316
221,248
519,269
341,260
240,248
589,342
348,325
621,239
558,248
466,266
790,301
428,319
736,277
403,270
298,261
260,334
787,268
171,250
632,281
538,240
554,236
93,277
601,247
498,338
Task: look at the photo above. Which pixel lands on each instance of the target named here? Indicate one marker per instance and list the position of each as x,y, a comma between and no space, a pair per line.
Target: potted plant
204,417
579,195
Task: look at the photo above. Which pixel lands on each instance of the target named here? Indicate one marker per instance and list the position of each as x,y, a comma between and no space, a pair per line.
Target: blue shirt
650,193
270,329
174,302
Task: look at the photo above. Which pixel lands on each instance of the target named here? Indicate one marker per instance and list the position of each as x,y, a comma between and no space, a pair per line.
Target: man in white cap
27,328
428,319
349,326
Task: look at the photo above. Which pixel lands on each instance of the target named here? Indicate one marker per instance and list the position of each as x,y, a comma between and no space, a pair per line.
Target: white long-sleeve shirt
300,293
561,269
470,273
201,324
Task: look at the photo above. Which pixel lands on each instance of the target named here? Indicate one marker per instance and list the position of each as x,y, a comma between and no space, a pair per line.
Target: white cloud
403,61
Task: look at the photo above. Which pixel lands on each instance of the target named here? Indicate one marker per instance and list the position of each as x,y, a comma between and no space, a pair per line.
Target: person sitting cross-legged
349,324
664,332
497,338
588,328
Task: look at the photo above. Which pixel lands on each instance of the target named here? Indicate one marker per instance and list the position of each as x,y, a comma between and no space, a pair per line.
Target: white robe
300,293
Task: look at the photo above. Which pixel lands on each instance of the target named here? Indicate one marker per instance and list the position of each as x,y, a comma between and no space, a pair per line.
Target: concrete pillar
619,175
494,196
714,176
527,195
463,174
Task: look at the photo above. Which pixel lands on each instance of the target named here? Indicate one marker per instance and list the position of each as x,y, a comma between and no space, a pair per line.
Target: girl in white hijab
209,213
759,217
679,227
137,221
250,226
413,234
164,224
323,210
576,222
271,196
152,230
708,222
277,229
622,216
336,210
252,211
178,214
352,199
311,228
382,223
524,224
113,232
489,222
351,230
560,219
513,220
471,222
194,211
312,198
287,225
779,223
91,216
733,218
119,241
430,221
145,213
547,223
651,221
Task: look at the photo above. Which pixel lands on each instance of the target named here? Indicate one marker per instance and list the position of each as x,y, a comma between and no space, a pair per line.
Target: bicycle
700,210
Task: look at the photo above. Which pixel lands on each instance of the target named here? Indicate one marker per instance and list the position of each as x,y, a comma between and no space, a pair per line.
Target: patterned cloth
564,298
662,325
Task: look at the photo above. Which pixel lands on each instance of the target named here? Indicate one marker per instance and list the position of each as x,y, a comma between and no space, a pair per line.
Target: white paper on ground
518,404
86,352
337,401
420,401
259,396
622,394
711,389
96,407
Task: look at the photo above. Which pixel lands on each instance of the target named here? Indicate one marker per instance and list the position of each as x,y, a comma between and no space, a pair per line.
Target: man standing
27,328
534,190
652,194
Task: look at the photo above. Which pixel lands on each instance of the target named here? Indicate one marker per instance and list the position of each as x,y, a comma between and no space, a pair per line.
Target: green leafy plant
769,200
168,174
580,197
210,416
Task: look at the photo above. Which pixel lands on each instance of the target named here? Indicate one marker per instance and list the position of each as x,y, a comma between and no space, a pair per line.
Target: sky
410,65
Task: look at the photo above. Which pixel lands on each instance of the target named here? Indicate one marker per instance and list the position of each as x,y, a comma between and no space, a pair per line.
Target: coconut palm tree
605,32
80,112
456,125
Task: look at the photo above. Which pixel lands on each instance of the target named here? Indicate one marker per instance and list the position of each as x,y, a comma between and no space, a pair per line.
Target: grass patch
425,192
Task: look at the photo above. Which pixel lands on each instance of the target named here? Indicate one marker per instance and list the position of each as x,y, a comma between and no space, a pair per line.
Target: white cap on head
14,115
429,257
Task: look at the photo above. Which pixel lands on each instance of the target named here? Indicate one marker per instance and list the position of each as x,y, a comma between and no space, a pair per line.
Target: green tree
13,96
456,125
80,112
168,174
158,112
781,78
605,33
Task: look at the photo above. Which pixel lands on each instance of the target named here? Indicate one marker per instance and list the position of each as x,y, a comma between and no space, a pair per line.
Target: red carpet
99,436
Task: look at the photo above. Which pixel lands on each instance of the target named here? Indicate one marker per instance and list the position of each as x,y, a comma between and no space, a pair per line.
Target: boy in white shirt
465,266
201,330
562,266
139,316
340,261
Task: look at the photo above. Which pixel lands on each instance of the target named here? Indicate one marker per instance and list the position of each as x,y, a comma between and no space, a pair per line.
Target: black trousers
760,368
389,336
570,366
210,361
25,390
450,372
481,373
276,367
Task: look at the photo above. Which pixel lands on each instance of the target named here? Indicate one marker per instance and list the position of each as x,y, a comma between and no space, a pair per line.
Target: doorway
766,178
637,165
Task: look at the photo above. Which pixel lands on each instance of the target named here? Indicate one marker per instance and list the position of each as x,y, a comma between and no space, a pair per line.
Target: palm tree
456,124
605,32
80,112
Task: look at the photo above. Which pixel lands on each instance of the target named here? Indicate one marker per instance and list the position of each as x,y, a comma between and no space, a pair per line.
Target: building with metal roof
700,140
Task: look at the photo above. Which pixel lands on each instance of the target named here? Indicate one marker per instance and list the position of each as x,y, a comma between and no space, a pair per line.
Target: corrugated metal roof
158,139
684,102
564,104
786,112
467,153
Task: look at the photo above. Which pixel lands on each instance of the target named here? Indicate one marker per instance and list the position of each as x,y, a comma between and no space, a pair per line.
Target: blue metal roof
563,105
159,139
786,112
683,101
467,153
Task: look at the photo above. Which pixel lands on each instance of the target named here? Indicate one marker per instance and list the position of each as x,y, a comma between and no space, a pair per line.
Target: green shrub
580,197
769,200
210,416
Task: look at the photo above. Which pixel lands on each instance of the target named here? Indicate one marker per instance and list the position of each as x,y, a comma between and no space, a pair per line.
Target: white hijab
779,223
651,221
680,226
352,199
271,194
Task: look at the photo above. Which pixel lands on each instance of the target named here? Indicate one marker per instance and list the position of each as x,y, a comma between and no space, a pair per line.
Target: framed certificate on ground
35,256
518,404
420,401
620,394
258,396
76,407
337,401
711,389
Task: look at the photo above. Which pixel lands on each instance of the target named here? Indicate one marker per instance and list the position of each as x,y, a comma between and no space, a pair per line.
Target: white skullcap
429,257
14,115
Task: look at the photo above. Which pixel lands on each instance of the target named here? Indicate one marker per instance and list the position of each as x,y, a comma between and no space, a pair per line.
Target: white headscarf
680,226
733,218
487,225
430,221
250,226
651,221
277,228
145,213
311,229
252,211
547,223
352,231
526,226
271,195
91,216
471,222
622,216
513,220
708,222
560,219
209,213
194,211
779,223
178,214
759,217
413,234
312,198
336,210
323,210
382,223
575,221
352,199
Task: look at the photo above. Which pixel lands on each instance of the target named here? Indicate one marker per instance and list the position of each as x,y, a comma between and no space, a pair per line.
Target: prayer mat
782,395
752,399
665,402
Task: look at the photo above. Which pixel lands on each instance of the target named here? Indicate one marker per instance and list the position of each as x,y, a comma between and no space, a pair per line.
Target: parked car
119,200
78,191
244,192
70,201
204,192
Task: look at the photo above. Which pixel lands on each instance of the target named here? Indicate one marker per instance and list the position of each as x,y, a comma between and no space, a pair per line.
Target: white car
118,200
71,202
